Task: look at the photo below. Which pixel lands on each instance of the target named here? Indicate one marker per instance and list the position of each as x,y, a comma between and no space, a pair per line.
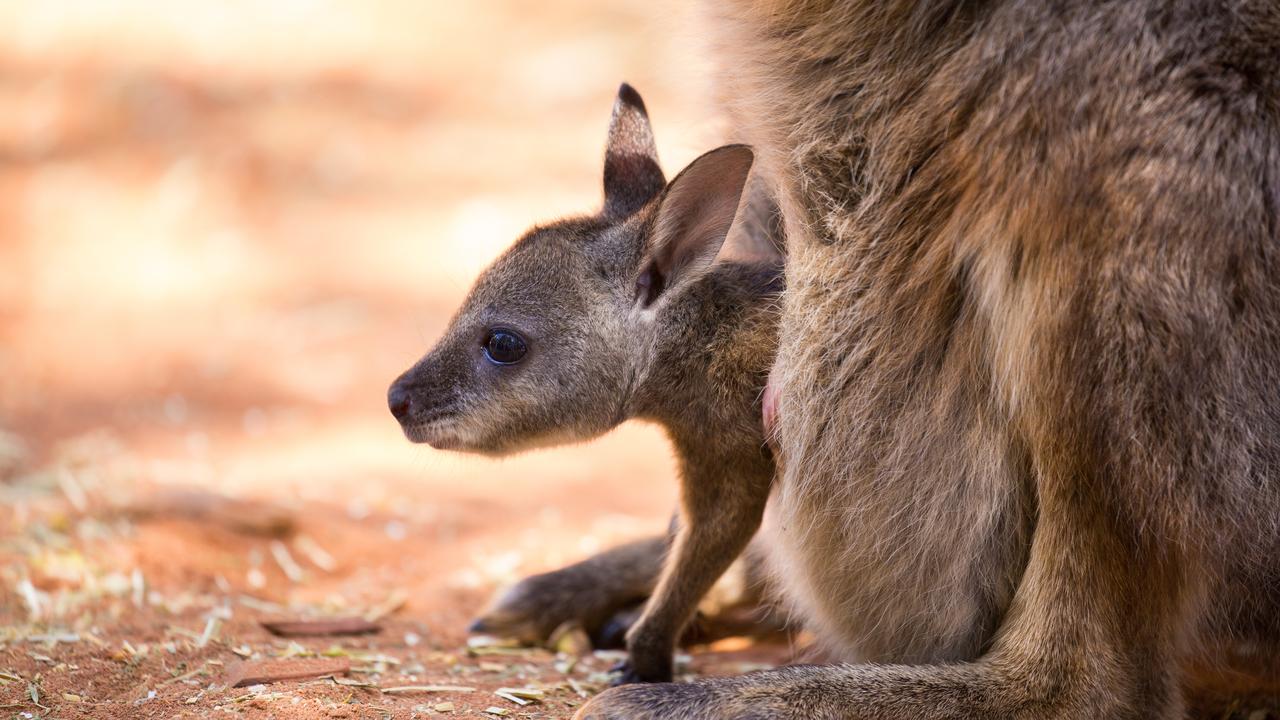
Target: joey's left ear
694,216
632,176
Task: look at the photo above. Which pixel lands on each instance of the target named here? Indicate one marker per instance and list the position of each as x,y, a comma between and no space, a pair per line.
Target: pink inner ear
698,210
707,227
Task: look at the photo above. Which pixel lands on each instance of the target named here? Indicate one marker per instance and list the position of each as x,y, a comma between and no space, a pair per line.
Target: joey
640,311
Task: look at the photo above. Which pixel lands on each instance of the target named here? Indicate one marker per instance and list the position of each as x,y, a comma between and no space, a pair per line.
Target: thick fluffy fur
1029,370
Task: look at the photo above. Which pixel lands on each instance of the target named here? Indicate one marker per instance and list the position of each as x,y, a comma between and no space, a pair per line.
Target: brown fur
626,314
1028,372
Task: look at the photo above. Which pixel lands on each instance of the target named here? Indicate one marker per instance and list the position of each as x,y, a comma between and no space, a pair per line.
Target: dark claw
628,675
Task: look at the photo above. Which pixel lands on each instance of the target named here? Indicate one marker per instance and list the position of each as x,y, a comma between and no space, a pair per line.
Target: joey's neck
705,366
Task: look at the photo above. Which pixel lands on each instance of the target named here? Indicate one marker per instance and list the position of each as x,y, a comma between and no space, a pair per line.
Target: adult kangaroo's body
1029,370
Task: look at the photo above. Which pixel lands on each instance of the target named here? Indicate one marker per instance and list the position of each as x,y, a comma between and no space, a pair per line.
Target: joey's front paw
650,654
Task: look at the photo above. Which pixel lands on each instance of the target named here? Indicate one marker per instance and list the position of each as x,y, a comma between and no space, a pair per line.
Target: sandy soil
224,229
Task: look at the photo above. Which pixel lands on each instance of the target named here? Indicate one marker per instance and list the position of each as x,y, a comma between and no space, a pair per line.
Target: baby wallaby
638,312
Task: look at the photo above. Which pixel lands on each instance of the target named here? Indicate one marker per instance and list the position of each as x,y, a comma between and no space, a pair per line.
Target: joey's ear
693,218
632,176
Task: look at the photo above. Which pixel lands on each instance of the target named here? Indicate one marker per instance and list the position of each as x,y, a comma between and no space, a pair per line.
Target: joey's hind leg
597,592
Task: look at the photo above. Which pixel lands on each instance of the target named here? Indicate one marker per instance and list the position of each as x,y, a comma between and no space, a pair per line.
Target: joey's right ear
693,219
632,176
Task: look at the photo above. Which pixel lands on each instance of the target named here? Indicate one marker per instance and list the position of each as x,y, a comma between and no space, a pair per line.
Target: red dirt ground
224,229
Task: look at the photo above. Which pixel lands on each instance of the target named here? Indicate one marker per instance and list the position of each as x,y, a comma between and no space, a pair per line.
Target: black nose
399,402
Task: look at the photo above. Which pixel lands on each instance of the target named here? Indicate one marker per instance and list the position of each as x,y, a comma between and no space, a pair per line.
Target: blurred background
225,227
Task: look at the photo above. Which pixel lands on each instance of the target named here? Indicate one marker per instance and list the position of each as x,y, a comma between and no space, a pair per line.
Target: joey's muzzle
400,401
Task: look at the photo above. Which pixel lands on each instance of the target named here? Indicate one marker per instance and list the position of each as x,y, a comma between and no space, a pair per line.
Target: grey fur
1027,376
627,314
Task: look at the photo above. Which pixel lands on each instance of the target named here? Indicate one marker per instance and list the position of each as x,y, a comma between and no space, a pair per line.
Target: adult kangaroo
1028,381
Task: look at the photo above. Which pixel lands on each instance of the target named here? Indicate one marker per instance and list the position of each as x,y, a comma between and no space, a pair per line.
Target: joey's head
548,344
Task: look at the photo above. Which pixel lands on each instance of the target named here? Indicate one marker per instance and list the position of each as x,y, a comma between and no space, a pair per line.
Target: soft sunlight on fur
1026,378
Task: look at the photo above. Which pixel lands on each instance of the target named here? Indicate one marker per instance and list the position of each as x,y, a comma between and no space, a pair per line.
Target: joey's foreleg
719,516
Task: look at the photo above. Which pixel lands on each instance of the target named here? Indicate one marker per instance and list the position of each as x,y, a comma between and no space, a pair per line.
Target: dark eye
504,347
